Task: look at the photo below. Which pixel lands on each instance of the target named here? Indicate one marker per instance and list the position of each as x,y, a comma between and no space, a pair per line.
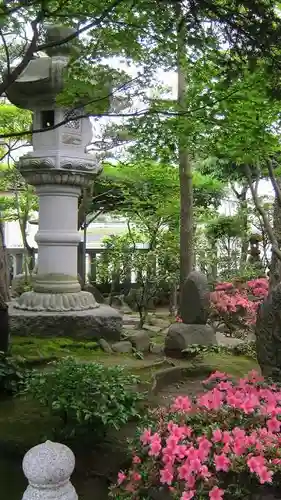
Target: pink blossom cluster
258,287
233,305
199,448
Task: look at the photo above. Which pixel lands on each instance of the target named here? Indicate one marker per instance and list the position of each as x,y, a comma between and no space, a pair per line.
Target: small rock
129,319
162,323
140,341
156,349
95,292
124,346
180,336
152,328
105,346
220,328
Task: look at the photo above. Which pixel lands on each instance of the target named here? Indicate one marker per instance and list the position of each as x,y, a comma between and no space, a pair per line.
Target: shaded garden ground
23,423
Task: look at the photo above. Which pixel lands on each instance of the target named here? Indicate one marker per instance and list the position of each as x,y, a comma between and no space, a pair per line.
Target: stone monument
194,314
58,167
268,335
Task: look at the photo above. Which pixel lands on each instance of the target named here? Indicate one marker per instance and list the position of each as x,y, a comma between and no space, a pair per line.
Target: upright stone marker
194,314
58,167
195,299
268,335
48,468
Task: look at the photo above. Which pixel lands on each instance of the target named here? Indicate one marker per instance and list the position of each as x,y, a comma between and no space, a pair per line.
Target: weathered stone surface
140,341
119,303
20,283
48,467
195,299
180,336
106,347
156,349
123,346
152,328
102,322
95,292
130,319
268,335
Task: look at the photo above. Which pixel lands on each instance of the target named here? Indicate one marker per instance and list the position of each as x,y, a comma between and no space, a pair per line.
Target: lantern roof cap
43,79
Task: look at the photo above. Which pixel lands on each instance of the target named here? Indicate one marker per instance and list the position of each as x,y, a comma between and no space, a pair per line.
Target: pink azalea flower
166,476
221,462
217,435
204,472
136,476
121,477
264,475
188,495
182,404
255,463
216,493
273,425
145,437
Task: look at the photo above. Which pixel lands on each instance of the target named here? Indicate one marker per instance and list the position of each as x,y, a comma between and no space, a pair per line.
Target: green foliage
245,349
11,375
156,265
86,396
13,120
224,225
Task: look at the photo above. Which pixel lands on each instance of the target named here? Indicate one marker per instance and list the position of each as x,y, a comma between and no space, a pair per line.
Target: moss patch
234,365
34,349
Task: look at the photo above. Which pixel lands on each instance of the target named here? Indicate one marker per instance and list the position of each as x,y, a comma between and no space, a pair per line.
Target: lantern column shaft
57,239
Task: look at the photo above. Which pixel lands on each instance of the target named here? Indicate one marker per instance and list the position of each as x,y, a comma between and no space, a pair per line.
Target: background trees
219,126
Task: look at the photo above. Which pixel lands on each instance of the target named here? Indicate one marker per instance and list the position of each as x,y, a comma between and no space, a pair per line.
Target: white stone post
57,239
48,468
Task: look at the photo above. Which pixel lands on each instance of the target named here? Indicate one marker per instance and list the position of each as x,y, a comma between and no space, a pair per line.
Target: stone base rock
122,347
180,336
104,321
140,341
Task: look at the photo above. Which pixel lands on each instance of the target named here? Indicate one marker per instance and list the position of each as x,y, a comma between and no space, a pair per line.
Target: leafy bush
11,375
86,395
223,444
247,349
236,306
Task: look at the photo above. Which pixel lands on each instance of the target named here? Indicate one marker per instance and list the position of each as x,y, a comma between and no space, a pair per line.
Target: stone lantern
58,167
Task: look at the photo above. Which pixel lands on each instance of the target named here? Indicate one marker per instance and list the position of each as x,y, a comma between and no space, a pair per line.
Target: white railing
48,468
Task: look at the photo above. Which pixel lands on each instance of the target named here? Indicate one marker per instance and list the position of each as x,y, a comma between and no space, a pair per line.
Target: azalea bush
224,444
236,306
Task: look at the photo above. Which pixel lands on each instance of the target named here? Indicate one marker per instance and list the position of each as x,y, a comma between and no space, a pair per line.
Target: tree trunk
4,267
185,164
275,245
244,220
275,265
4,293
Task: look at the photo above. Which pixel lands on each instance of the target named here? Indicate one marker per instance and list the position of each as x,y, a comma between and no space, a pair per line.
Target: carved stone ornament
59,302
71,171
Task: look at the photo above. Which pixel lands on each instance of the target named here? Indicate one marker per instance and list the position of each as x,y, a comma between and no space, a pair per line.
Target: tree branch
274,182
12,76
262,213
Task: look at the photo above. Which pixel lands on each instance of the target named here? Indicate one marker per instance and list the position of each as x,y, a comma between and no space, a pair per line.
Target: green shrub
86,395
11,376
246,349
